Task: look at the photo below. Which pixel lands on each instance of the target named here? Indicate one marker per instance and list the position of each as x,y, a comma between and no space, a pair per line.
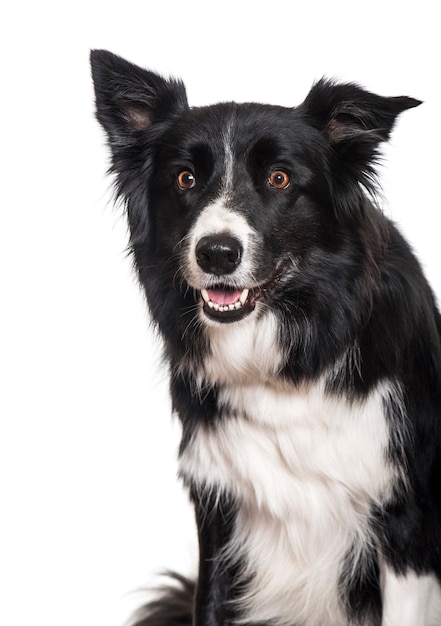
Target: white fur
304,467
410,600
244,351
229,159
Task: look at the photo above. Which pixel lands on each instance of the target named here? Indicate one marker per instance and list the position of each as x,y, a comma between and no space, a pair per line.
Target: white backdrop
90,508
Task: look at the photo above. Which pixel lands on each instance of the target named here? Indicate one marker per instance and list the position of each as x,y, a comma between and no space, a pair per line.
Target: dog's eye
278,179
186,180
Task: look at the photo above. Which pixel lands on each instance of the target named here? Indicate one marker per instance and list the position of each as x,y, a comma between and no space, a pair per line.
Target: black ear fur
130,99
134,106
354,123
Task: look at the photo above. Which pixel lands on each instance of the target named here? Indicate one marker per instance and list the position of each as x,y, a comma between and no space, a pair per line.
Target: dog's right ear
130,100
134,107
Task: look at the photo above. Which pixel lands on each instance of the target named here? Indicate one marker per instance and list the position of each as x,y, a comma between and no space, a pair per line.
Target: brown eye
186,180
278,179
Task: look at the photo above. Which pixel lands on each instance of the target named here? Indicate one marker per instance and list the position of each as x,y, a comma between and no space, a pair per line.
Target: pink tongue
221,297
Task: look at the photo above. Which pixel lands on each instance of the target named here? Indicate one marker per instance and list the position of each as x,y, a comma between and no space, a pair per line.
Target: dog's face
237,194
236,209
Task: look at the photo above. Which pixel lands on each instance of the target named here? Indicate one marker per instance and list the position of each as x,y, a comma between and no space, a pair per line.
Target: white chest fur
305,468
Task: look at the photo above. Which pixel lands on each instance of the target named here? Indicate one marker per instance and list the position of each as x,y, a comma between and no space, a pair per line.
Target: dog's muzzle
230,293
220,256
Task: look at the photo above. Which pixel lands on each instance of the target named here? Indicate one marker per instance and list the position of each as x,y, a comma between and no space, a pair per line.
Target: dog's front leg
215,586
407,598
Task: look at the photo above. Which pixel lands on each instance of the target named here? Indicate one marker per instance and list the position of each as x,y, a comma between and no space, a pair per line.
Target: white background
89,506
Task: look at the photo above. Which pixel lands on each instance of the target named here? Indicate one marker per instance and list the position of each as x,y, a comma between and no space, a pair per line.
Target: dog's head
231,204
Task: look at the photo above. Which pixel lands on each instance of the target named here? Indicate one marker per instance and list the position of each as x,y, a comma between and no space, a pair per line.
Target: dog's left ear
354,122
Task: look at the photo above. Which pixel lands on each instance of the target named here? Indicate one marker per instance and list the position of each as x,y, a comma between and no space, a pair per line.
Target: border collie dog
304,351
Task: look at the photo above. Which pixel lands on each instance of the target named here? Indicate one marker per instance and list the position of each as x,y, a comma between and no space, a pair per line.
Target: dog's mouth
227,304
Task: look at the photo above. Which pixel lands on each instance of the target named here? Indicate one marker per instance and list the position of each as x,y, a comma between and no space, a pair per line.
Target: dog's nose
218,254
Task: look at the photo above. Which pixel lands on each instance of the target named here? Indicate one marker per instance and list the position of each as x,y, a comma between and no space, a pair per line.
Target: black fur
359,285
174,605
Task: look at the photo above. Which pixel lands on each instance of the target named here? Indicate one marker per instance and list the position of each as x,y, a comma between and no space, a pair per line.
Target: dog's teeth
224,308
244,296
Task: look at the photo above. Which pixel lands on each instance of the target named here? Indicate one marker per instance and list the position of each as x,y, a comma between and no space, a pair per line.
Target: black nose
218,254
